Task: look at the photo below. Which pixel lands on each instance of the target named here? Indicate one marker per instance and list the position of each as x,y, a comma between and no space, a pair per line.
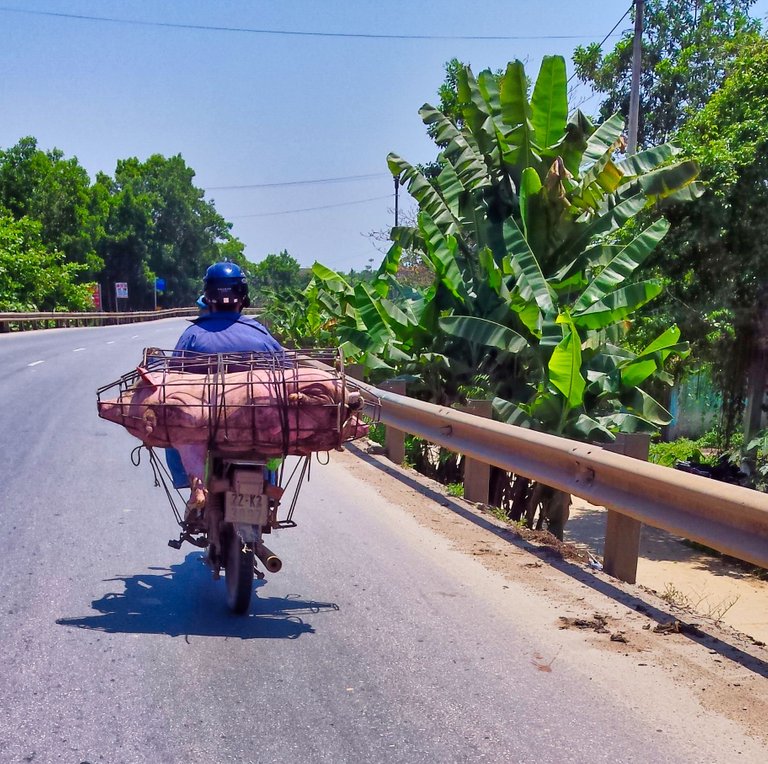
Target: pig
261,412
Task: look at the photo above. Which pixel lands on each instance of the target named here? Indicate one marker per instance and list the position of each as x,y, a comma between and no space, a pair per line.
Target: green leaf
636,373
510,413
331,279
565,368
662,183
526,266
648,160
530,185
618,305
641,404
516,116
623,265
586,428
604,139
549,102
480,331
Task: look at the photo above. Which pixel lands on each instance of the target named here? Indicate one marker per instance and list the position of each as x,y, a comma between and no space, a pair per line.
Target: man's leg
176,468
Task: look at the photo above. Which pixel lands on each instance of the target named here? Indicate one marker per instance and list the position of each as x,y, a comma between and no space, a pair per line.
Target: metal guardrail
27,321
730,519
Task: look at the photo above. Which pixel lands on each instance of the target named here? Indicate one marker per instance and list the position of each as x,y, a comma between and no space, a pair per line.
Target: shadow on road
632,598
183,600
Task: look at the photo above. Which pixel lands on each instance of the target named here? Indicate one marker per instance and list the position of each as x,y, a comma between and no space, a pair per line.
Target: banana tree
530,210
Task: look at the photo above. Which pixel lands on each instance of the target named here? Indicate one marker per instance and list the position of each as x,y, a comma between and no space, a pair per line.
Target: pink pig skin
261,412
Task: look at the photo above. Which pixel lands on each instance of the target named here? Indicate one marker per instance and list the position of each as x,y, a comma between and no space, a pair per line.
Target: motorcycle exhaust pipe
271,561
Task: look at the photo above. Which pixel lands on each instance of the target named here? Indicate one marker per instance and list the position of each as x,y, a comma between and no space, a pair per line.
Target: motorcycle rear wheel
238,570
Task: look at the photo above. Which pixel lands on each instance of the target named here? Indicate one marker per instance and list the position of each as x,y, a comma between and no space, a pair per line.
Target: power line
309,209
287,32
600,44
343,179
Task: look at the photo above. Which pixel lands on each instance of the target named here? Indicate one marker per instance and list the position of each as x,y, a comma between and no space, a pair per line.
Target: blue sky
247,109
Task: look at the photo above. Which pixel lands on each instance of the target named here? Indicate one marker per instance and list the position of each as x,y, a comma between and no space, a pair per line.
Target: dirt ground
711,587
716,652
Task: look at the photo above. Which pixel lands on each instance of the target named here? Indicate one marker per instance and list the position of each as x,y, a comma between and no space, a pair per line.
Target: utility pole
397,194
634,93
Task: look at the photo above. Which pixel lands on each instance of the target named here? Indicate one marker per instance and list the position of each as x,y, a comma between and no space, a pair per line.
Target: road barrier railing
730,519
28,321
10,322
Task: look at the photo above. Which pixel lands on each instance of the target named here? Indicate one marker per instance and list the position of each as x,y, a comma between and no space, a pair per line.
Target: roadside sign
96,296
121,290
160,285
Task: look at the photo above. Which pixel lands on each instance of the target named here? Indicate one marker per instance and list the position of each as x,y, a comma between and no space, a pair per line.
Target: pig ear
153,380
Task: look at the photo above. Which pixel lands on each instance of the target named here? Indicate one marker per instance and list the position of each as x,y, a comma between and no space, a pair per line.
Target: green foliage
455,489
158,224
759,448
147,221
276,272
687,47
717,256
532,284
667,454
31,277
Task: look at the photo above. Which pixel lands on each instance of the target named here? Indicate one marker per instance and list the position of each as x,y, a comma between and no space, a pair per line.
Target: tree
687,47
276,272
32,278
717,256
159,225
56,192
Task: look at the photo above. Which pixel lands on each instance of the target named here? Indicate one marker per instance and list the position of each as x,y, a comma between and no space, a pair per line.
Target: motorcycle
247,412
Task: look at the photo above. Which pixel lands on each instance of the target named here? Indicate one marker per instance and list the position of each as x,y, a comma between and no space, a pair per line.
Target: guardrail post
477,475
622,533
394,440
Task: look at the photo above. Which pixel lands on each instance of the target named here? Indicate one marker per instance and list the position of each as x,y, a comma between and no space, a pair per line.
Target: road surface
377,642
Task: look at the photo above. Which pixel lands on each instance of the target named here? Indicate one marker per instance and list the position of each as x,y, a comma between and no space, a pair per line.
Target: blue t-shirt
227,332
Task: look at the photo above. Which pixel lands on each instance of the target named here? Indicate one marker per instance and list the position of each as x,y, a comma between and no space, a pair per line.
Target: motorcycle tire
238,570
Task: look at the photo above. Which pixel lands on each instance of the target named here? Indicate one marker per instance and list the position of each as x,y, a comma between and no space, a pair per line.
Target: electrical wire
308,209
600,44
317,181
286,32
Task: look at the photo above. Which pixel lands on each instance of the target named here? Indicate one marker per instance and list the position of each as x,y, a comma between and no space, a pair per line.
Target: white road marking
77,350
35,363
111,342
135,336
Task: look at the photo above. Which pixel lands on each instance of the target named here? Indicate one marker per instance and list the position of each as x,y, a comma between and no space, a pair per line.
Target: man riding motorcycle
222,330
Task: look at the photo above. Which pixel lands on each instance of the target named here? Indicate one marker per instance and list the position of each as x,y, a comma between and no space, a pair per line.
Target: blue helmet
225,284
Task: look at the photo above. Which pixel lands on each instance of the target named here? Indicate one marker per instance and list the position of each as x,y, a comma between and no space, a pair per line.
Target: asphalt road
367,647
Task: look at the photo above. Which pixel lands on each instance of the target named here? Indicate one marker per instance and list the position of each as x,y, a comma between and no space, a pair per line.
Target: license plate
249,508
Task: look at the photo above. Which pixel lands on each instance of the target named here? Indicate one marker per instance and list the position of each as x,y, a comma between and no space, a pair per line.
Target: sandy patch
713,588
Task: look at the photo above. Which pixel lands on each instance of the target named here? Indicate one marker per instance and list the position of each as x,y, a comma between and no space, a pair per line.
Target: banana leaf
516,116
510,413
526,266
648,160
549,102
480,331
441,251
565,367
646,407
636,373
530,186
604,139
424,193
662,183
586,428
623,264
330,279
617,305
